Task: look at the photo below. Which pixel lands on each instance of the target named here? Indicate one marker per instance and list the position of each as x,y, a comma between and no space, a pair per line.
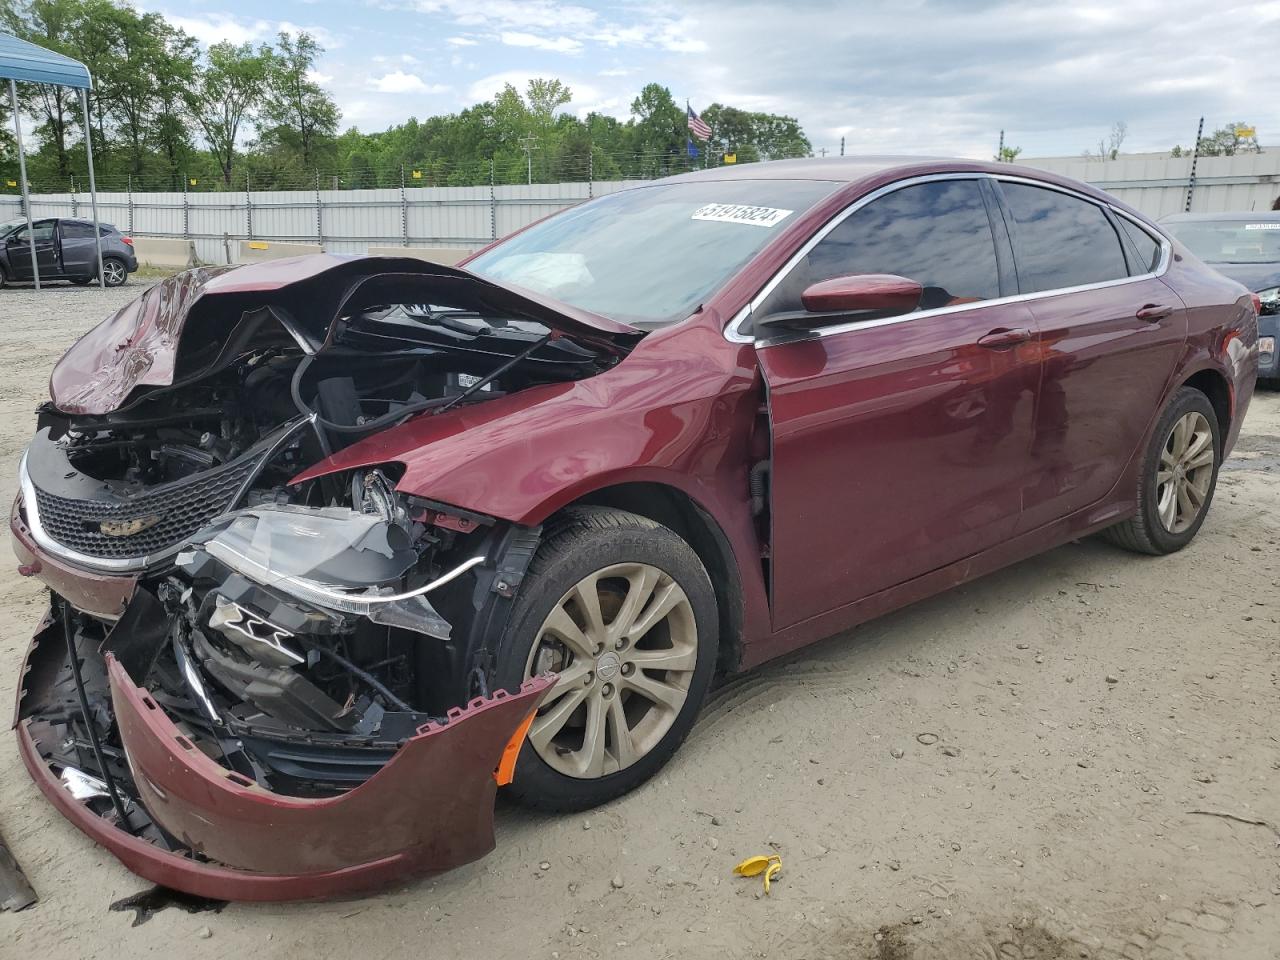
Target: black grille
182,508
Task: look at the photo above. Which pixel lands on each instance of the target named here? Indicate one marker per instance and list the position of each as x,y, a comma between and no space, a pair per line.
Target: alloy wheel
1185,473
624,642
113,272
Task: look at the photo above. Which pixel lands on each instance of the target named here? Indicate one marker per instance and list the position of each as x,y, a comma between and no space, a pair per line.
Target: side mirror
872,292
841,299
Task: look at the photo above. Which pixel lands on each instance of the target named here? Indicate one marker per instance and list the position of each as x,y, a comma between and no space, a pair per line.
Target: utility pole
1000,149
822,152
527,143
842,146
1195,157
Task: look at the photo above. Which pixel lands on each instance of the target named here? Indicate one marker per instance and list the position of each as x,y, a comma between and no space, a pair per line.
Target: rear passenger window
1061,241
937,234
72,230
1147,247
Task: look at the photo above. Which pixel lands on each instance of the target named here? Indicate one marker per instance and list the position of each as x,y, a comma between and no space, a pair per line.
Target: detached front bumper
429,809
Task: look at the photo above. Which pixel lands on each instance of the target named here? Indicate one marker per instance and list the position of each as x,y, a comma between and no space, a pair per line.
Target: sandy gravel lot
1057,723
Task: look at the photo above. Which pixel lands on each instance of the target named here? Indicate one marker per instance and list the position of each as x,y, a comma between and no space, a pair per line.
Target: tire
631,552
1147,532
4,278
115,271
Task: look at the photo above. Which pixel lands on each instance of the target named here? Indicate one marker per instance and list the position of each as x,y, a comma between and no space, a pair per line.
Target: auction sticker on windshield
741,213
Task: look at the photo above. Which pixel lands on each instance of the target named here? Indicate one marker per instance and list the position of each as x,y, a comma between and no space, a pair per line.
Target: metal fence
342,221
349,221
1157,184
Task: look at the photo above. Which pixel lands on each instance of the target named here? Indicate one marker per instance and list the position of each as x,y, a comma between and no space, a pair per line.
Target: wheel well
676,510
1214,386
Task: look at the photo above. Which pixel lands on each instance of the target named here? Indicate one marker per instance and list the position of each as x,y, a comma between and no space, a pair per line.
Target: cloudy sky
919,76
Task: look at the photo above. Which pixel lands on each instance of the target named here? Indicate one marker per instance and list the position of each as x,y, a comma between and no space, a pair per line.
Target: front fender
683,423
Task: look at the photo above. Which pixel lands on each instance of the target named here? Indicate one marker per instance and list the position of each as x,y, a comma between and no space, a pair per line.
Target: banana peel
770,866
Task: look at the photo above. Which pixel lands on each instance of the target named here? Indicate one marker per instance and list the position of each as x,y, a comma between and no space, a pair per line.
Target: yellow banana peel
770,866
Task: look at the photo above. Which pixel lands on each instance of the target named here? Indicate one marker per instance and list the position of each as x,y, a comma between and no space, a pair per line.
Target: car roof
1253,216
872,171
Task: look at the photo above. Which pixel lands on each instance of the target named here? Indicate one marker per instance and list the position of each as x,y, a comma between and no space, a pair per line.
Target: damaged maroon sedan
337,547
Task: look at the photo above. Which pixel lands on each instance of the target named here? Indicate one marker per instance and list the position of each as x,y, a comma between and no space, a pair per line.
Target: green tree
296,111
227,88
1228,141
661,131
49,23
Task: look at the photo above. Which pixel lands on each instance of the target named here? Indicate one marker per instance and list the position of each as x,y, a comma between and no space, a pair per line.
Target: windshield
651,255
9,226
1230,241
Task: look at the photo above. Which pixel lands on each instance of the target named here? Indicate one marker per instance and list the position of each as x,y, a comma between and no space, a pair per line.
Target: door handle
1154,312
1003,337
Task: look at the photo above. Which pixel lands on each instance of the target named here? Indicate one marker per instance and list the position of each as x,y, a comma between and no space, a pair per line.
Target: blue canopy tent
29,63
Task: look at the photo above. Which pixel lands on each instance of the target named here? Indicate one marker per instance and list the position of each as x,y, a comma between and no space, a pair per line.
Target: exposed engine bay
296,634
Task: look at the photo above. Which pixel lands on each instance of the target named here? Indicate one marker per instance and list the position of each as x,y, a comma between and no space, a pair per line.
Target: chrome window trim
732,331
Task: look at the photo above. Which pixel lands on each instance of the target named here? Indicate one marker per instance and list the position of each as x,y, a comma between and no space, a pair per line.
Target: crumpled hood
142,343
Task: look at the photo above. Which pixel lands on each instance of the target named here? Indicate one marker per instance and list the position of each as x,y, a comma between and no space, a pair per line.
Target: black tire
123,274
1144,532
581,541
4,278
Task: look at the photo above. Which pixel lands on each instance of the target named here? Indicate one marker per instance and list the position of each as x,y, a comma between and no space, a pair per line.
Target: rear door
79,253
899,445
1110,333
46,237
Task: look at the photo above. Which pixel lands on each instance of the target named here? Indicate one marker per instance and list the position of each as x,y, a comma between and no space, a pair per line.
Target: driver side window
935,233
43,230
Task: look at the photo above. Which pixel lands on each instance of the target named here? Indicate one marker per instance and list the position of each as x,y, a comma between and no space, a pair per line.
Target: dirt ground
1012,769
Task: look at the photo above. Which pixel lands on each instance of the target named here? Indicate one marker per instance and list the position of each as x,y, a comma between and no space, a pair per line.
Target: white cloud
217,27
517,38
400,82
461,41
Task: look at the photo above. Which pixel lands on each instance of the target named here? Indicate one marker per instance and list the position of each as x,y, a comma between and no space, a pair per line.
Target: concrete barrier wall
447,256
255,251
153,252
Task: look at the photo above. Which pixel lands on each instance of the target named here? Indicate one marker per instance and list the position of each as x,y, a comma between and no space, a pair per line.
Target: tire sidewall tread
576,542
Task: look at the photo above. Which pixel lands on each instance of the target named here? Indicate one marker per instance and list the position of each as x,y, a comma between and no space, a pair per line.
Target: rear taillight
1257,303
129,241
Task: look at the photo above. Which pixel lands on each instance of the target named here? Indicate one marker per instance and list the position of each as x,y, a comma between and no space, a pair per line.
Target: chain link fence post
186,208
75,202
319,214
129,196
404,212
591,173
493,205
248,208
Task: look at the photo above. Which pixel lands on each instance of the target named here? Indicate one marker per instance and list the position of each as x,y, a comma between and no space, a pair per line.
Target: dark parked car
65,250
338,546
1246,248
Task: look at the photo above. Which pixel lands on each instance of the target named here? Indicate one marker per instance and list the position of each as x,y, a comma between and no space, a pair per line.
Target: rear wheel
1180,472
622,610
114,271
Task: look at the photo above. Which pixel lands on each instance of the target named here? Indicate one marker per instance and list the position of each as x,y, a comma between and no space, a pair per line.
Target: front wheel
622,609
1179,474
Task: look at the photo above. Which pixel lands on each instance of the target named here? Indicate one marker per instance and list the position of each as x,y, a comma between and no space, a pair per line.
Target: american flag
697,126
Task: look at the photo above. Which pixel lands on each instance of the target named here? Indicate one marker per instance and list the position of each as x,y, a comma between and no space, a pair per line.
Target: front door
46,236
899,445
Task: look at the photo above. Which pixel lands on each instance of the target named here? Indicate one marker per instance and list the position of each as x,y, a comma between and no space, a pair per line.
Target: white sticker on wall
741,213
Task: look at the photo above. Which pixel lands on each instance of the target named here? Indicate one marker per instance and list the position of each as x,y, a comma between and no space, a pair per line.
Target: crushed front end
248,687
